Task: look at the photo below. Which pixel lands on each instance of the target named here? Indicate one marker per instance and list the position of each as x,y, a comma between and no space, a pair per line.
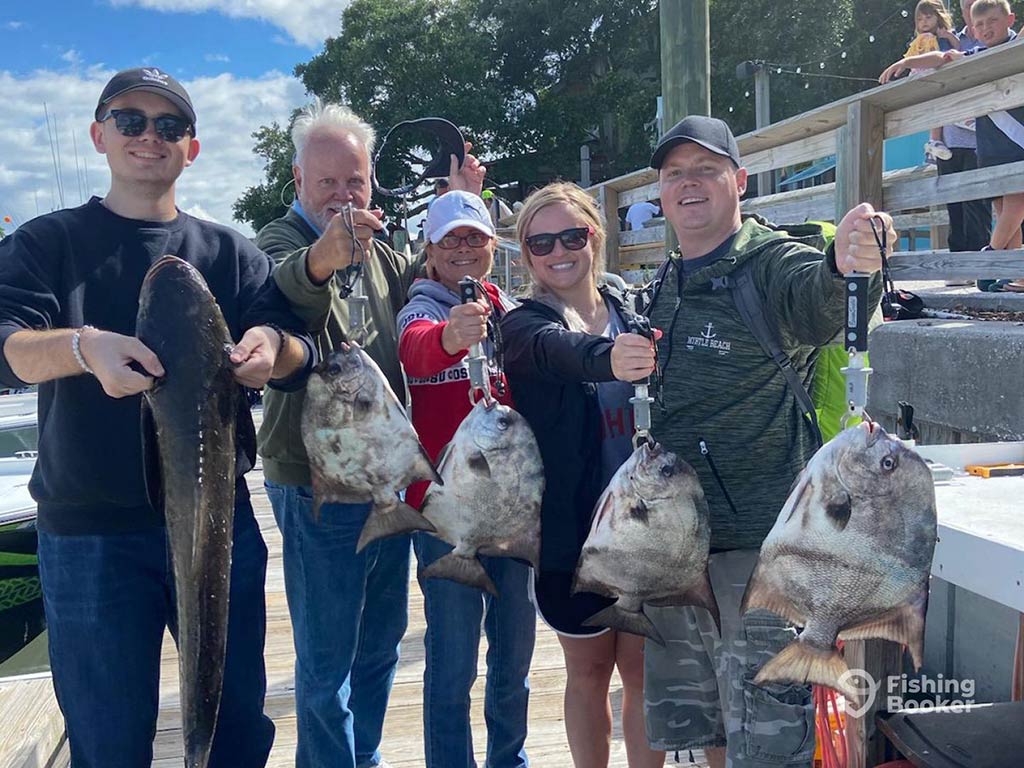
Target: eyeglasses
132,122
572,239
473,240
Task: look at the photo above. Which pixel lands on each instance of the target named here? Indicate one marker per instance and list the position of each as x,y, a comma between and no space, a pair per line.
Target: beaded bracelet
76,348
281,335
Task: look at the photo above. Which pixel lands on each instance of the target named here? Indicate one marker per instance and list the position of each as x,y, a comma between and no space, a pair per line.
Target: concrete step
965,378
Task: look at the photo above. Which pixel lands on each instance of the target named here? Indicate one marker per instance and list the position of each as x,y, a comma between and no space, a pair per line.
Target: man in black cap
731,414
69,287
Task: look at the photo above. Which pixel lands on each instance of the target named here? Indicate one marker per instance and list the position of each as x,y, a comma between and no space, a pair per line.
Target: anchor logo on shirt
707,334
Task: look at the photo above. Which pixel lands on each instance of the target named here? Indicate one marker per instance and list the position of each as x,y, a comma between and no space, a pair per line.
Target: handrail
854,129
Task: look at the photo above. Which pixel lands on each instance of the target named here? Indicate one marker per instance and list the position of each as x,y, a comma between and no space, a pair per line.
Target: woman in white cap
436,332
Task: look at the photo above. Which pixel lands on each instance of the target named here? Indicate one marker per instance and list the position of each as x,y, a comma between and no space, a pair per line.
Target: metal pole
584,165
762,118
685,66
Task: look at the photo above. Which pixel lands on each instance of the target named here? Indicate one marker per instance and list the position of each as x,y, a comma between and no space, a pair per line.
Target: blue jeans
107,600
349,613
454,612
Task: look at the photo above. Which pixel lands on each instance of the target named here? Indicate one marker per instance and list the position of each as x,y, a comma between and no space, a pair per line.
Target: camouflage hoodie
726,404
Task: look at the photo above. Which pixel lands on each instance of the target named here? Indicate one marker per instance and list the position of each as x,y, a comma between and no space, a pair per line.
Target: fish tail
464,570
390,520
802,663
622,620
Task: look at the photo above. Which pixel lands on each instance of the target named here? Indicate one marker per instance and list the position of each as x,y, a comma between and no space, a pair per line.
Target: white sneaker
937,149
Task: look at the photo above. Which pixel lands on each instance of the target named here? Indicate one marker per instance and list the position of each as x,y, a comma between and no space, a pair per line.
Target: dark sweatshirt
85,266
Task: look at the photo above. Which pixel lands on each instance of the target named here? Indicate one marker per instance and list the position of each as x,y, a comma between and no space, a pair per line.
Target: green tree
265,202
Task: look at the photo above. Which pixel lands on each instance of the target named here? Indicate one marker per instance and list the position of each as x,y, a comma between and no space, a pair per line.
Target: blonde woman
569,359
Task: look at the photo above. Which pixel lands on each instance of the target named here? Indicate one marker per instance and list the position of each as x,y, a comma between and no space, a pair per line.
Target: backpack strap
750,305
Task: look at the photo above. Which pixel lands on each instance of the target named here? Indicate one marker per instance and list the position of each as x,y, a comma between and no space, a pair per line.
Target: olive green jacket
386,279
722,390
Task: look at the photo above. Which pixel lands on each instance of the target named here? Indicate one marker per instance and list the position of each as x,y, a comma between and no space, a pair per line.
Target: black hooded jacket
552,373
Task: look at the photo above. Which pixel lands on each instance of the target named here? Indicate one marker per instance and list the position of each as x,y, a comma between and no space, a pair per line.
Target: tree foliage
530,81
262,204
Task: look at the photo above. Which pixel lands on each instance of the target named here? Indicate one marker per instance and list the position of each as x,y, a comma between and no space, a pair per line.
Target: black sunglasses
572,239
132,122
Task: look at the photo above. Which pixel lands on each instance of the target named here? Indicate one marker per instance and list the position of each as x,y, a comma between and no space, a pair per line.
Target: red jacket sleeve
420,350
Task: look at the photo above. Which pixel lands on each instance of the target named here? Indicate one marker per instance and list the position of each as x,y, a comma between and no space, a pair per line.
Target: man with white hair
348,611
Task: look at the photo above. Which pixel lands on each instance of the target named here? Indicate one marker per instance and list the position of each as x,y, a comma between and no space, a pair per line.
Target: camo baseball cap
148,79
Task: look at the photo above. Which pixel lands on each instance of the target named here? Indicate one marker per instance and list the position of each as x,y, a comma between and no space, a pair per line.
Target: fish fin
391,519
762,594
701,596
903,624
425,469
838,511
802,481
152,471
621,620
582,583
639,511
464,570
602,509
525,550
479,464
443,457
802,663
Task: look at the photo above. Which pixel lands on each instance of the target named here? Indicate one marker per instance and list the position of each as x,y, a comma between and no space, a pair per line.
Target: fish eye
667,470
889,463
334,368
503,423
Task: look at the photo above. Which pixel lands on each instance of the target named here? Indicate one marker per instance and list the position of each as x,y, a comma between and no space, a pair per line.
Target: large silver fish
361,445
849,556
648,543
490,501
191,476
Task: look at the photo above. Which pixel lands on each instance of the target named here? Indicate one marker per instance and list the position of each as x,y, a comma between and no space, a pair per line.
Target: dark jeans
970,222
107,599
349,613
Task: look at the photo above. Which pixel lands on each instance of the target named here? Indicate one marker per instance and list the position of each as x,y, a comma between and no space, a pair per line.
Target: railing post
859,158
859,180
685,67
608,199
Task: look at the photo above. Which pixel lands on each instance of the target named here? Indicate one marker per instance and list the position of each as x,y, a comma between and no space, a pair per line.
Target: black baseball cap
148,79
710,132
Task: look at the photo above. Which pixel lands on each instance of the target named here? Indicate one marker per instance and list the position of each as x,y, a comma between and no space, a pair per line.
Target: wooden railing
853,129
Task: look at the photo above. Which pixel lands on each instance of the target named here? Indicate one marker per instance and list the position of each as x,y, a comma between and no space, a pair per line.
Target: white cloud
217,57
72,57
14,25
308,22
229,109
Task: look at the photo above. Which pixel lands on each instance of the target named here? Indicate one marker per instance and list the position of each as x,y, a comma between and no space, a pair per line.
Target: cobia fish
648,543
849,556
361,445
490,501
193,411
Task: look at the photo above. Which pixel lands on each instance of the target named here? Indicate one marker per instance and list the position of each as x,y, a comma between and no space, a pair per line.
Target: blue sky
188,44
235,57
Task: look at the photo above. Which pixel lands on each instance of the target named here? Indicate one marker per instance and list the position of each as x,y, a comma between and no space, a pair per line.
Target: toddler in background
934,32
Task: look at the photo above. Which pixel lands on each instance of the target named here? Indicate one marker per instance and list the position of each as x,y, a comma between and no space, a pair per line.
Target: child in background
934,27
1000,133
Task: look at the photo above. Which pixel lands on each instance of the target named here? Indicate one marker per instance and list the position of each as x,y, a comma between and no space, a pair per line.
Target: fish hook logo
864,685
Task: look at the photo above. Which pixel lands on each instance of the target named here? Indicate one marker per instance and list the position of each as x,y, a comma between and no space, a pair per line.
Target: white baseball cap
457,209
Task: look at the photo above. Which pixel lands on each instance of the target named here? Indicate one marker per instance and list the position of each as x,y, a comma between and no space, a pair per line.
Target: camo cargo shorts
699,690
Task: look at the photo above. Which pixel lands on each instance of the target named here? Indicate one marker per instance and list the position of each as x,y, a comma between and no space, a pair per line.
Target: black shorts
563,611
